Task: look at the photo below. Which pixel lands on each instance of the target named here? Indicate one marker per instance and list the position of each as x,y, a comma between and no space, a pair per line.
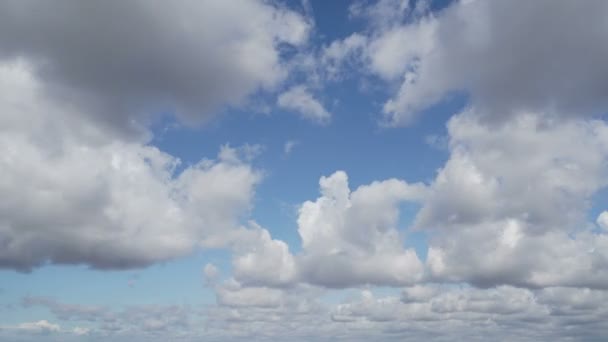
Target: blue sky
303,170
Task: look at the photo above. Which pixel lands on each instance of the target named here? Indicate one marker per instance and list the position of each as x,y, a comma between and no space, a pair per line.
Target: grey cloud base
123,62
508,57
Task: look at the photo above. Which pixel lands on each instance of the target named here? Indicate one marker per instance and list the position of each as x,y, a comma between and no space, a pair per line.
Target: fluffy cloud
260,260
125,61
300,100
509,57
71,193
351,238
510,205
490,224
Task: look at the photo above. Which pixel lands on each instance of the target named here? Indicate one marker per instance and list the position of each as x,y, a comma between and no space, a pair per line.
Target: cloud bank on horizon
516,233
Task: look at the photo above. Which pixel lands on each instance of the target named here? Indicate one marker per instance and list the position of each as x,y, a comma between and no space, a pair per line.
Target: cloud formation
123,62
507,57
518,193
434,312
73,194
512,250
300,100
347,234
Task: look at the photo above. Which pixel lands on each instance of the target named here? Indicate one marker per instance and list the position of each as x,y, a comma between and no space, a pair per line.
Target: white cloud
507,57
259,260
348,239
42,326
72,193
80,331
602,220
231,294
382,13
351,238
289,146
341,53
299,99
389,52
510,205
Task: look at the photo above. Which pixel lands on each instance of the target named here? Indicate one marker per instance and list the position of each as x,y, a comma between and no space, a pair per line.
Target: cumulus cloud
510,205
71,193
261,260
232,294
512,252
508,57
123,62
490,224
300,100
351,238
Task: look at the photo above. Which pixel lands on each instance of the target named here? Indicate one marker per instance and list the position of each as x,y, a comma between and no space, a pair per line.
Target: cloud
434,312
102,321
41,327
512,252
232,294
602,220
122,62
351,238
490,224
289,146
299,99
341,53
431,311
260,260
510,205
74,194
509,58
478,314
80,331
383,14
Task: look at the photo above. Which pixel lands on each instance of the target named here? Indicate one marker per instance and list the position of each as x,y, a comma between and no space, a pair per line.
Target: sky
252,170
